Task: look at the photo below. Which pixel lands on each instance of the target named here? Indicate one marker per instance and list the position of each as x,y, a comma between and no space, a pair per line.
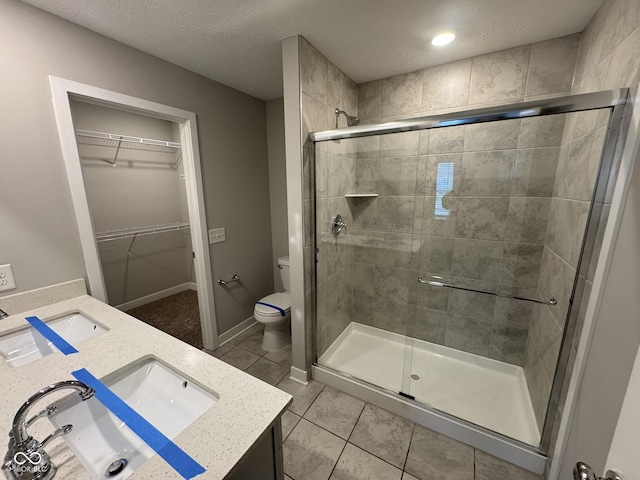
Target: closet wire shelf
140,231
117,141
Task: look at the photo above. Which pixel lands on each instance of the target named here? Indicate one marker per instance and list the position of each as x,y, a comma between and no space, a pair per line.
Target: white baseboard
237,330
299,376
157,296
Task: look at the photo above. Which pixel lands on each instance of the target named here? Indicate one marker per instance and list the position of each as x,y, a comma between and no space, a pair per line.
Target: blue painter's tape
46,331
182,463
282,312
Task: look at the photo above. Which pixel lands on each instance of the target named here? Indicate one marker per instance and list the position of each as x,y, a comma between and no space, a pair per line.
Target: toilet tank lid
283,261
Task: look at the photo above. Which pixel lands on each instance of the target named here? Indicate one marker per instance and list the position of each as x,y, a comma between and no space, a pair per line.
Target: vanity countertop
218,440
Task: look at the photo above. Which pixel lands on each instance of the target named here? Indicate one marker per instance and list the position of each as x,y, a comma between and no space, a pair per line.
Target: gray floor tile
289,421
267,371
258,327
283,357
303,395
287,477
489,467
435,456
406,476
310,452
384,434
355,463
240,358
253,344
218,352
335,411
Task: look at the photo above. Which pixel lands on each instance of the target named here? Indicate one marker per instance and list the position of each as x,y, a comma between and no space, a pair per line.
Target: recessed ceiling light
443,39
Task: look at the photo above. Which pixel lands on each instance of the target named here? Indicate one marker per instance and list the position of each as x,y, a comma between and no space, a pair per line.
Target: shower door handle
582,471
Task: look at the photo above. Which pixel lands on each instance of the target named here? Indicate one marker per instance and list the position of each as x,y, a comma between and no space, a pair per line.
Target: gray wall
40,236
277,186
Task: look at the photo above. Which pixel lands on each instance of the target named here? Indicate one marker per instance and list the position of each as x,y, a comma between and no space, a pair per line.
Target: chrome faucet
25,458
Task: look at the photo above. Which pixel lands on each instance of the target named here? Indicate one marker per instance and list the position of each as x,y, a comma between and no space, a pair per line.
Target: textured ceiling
237,42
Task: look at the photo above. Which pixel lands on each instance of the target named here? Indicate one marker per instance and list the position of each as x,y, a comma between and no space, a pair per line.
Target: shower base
486,392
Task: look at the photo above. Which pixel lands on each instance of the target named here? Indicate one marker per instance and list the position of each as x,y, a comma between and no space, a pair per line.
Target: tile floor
329,435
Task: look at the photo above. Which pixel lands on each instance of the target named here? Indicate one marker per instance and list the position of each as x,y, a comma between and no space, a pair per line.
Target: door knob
582,471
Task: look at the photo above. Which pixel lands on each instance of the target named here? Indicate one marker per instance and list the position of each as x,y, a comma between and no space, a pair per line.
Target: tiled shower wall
324,87
494,235
608,58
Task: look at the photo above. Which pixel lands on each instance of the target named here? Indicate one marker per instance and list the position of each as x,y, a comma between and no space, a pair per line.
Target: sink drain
116,467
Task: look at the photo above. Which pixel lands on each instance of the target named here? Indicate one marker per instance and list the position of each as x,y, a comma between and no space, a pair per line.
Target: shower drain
415,377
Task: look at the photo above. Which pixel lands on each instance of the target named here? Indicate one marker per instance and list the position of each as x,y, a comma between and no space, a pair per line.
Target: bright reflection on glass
444,185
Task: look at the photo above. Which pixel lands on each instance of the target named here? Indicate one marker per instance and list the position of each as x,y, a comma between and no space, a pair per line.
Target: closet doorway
137,192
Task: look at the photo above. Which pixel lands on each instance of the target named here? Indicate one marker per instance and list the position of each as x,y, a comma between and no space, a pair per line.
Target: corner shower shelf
360,195
117,141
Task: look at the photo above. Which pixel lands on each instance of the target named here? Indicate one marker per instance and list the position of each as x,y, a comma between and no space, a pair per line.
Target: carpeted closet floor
178,315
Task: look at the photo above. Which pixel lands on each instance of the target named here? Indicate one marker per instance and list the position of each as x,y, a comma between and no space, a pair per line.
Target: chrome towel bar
235,278
551,301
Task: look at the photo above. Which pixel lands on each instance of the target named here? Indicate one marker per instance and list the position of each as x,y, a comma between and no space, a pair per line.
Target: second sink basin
27,344
103,443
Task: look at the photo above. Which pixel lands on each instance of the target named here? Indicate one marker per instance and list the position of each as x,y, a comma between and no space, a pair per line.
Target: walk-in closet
135,184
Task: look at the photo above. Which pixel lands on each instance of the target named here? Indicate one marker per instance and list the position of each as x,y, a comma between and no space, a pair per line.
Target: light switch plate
217,235
7,280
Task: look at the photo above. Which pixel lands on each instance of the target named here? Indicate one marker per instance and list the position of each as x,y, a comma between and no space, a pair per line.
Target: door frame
63,91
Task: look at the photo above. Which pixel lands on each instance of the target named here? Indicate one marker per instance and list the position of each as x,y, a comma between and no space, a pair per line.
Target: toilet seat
281,300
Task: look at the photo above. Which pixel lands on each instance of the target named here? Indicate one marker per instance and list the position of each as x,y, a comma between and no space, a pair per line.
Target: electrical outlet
217,235
7,280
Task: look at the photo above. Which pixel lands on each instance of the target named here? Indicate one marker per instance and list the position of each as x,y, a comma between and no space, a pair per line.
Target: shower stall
451,254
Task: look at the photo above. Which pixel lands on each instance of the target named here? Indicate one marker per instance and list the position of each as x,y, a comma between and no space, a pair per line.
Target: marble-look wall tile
366,176
556,280
399,144
478,305
446,86
487,173
499,76
314,71
340,175
577,169
435,222
396,214
482,218
508,344
547,336
370,99
315,117
342,92
567,221
402,94
436,254
527,219
430,325
423,142
597,245
468,334
625,68
368,147
537,382
393,317
446,140
513,312
396,250
543,131
502,135
361,276
521,264
362,309
476,259
395,285
534,174
551,65
397,175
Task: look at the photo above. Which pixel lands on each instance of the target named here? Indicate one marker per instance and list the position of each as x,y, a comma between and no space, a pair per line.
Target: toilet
274,312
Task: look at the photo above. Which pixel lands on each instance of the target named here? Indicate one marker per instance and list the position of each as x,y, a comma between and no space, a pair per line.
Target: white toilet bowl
274,312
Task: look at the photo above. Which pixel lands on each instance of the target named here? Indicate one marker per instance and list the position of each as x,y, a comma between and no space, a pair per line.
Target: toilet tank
283,265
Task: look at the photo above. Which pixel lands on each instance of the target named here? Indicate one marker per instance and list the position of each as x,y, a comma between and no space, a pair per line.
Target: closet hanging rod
103,139
139,231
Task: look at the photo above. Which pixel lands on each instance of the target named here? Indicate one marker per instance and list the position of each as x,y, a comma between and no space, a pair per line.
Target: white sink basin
164,397
27,344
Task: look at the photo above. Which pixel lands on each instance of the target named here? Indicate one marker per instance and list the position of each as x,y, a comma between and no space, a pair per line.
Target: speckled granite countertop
218,440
